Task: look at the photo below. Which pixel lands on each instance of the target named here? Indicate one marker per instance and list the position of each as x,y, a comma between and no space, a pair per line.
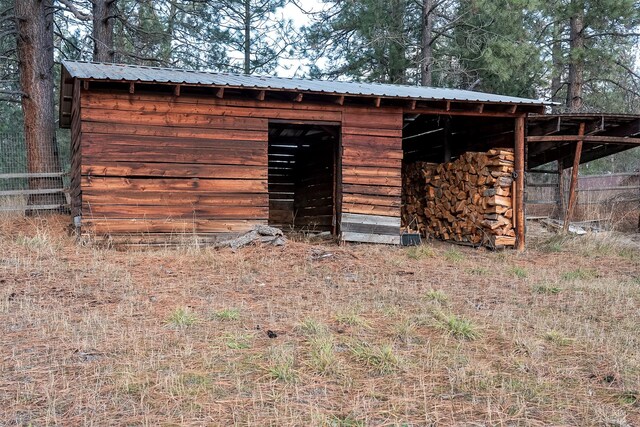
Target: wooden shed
160,152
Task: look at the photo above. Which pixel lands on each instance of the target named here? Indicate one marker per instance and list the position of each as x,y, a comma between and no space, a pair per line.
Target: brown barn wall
162,163
371,174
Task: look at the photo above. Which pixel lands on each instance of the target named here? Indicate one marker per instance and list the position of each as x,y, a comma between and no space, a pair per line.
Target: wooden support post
519,170
560,203
176,90
85,84
132,87
261,95
447,140
299,97
378,100
340,100
220,93
574,179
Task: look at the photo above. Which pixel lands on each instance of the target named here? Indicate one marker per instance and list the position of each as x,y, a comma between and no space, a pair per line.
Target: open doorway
303,170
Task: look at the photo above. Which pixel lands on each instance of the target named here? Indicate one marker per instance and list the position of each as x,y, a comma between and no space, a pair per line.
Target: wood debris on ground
468,200
260,234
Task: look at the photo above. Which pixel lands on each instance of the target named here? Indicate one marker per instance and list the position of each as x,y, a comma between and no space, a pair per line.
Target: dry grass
372,335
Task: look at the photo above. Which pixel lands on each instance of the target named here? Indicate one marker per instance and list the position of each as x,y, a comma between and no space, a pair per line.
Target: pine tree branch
75,11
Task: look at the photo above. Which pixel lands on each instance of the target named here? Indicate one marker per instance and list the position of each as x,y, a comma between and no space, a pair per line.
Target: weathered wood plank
371,131
389,201
177,184
212,156
356,227
370,209
367,171
140,225
393,221
373,190
144,198
176,170
32,175
197,211
125,101
28,192
362,152
371,238
199,115
348,178
157,133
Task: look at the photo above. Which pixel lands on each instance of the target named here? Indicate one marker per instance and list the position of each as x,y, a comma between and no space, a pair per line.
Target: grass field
360,335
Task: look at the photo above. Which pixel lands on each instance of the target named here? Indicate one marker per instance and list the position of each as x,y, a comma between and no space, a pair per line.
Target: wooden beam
377,102
220,93
541,128
589,138
480,108
85,84
340,100
448,107
629,129
299,97
513,109
132,87
560,189
447,139
574,179
519,171
412,104
261,95
176,90
435,111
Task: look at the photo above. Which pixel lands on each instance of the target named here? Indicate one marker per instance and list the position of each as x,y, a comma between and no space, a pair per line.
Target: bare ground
366,335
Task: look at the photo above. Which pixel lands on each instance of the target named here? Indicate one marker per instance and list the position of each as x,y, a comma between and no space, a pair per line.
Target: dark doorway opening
303,176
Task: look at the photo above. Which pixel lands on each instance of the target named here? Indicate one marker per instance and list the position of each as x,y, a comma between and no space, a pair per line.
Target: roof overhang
553,137
424,100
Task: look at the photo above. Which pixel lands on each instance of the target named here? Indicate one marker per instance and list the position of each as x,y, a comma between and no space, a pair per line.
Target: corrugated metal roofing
134,73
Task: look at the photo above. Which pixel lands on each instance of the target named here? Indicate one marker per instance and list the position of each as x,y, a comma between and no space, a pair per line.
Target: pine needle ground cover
366,336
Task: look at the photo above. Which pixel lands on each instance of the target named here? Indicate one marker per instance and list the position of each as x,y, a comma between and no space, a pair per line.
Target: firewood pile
468,200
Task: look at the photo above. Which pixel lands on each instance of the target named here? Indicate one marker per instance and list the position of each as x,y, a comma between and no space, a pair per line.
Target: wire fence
34,180
612,200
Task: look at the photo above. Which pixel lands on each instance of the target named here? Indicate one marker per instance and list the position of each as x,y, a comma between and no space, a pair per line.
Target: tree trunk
576,60
103,19
35,55
556,58
426,50
247,36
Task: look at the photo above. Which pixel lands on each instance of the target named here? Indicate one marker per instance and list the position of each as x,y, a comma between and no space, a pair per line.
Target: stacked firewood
468,200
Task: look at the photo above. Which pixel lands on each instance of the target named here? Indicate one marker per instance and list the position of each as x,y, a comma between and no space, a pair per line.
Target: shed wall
159,163
371,175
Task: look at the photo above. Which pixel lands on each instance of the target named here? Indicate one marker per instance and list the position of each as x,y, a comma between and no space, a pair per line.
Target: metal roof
135,73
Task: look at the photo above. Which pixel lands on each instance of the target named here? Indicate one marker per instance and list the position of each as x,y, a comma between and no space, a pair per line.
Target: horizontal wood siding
160,163
371,174
76,153
166,164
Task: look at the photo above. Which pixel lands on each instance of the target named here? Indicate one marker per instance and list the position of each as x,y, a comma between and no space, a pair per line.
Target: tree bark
35,56
247,36
426,50
576,60
556,58
103,19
